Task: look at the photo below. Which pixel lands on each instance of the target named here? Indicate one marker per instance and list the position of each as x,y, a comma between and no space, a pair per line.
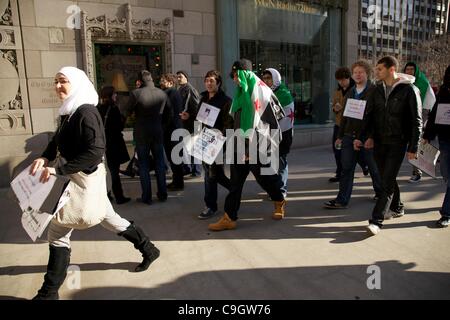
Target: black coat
171,115
432,129
148,103
80,140
395,121
351,126
116,149
191,99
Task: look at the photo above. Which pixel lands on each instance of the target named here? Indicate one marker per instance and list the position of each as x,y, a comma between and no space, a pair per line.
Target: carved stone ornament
12,115
5,13
104,29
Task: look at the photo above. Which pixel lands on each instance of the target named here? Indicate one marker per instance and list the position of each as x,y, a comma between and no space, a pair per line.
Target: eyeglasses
61,81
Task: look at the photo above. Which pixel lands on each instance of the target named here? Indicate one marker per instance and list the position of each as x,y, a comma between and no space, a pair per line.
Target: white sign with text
206,145
207,114
443,114
355,109
427,156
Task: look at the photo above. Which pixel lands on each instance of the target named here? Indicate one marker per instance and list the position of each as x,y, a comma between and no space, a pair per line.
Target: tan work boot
225,223
278,214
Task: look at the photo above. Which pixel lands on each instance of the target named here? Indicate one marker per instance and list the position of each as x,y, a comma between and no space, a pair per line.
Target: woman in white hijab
80,141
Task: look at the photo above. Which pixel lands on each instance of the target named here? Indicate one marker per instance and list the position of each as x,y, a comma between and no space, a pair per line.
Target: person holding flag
428,99
272,78
256,112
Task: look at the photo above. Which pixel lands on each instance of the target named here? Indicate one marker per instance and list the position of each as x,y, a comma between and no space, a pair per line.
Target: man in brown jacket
345,83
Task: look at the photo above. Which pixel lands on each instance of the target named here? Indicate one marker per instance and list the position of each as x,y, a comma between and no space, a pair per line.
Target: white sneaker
373,229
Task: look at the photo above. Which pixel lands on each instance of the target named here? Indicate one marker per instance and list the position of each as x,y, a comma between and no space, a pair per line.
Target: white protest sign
206,145
29,191
355,109
443,114
34,195
207,114
427,156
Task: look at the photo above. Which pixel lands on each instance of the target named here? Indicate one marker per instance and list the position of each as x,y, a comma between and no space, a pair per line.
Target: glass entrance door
119,64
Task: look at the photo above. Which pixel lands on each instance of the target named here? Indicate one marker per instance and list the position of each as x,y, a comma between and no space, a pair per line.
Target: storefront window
301,41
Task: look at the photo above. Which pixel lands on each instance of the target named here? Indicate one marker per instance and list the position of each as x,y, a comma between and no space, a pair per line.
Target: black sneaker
365,172
207,213
122,200
443,222
173,187
332,204
139,200
397,213
334,179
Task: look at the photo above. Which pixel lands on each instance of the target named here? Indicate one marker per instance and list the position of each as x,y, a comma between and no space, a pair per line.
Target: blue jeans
283,172
143,152
214,174
444,147
349,158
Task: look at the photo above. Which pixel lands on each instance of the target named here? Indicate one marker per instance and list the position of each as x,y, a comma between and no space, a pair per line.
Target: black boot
58,262
136,235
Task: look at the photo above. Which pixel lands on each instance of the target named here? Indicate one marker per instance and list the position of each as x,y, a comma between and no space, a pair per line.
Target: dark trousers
389,158
337,152
177,169
214,174
272,184
143,152
115,179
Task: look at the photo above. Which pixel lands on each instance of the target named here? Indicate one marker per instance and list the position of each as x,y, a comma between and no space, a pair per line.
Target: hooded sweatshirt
426,92
394,115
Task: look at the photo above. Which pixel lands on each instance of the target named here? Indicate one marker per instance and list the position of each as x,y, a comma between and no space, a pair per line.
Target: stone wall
40,36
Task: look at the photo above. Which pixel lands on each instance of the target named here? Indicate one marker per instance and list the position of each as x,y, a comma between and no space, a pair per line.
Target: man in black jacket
393,124
191,100
171,122
214,173
440,127
148,103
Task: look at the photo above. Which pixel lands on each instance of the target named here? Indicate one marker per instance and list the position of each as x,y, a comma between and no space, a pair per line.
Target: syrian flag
259,108
429,100
284,96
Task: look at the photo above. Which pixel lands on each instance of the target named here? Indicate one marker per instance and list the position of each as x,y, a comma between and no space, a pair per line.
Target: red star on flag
291,115
257,104
262,83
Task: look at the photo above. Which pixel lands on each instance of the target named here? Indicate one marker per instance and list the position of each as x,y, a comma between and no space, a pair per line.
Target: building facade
114,39
396,27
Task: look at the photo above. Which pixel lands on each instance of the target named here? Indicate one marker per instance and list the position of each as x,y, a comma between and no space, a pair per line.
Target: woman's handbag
87,204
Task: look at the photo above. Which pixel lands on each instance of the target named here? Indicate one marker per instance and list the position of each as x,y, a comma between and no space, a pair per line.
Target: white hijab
276,78
82,91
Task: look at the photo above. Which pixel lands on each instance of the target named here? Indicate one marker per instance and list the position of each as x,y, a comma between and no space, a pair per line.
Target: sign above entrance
289,5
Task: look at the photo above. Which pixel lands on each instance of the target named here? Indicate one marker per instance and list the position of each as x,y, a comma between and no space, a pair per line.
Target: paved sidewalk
312,254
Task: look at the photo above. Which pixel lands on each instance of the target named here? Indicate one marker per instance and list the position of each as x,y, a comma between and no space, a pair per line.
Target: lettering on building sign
288,6
42,93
